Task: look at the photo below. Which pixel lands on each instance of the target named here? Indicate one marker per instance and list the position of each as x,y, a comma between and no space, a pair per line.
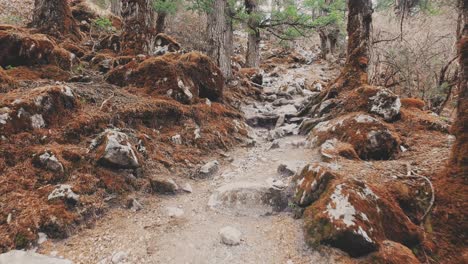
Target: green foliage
102,24
9,67
166,6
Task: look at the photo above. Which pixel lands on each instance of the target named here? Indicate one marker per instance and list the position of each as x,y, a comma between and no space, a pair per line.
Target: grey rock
27,257
177,139
207,170
174,212
118,151
50,162
119,257
230,236
65,192
285,171
187,188
134,205
164,186
275,145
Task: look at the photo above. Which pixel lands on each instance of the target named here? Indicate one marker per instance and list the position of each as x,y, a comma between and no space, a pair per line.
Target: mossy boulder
356,217
371,138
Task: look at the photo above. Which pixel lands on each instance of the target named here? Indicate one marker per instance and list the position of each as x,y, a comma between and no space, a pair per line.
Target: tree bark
459,158
54,17
139,31
253,44
161,22
116,7
219,31
354,73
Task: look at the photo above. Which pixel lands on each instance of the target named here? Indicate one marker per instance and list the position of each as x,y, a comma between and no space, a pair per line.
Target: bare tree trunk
139,31
253,44
161,22
323,44
220,36
333,39
459,159
116,7
53,17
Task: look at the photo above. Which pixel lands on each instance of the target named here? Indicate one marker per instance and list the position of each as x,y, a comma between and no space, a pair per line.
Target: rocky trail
239,214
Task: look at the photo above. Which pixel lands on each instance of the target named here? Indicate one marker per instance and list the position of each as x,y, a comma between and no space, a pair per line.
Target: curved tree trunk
220,36
116,7
253,44
139,31
459,158
53,17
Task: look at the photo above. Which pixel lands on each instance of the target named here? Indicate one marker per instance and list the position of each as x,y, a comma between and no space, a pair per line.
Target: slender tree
253,43
139,31
219,29
53,17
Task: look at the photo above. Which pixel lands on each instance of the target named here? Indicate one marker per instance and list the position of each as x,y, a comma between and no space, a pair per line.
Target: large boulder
41,107
183,77
356,217
19,47
114,150
371,138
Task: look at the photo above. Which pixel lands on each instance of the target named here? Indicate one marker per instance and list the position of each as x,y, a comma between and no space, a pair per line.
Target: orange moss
171,74
413,103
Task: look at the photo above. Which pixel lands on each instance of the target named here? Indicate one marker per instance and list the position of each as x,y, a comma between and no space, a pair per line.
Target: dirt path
232,198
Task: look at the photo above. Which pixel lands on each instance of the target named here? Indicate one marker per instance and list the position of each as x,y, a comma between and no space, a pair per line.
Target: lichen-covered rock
311,183
370,137
385,104
333,148
392,253
114,150
356,217
184,77
39,108
64,192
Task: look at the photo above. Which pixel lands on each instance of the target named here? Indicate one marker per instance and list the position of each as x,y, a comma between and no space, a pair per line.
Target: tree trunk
219,37
116,7
333,39
323,44
354,73
139,31
459,158
53,17
161,22
253,44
